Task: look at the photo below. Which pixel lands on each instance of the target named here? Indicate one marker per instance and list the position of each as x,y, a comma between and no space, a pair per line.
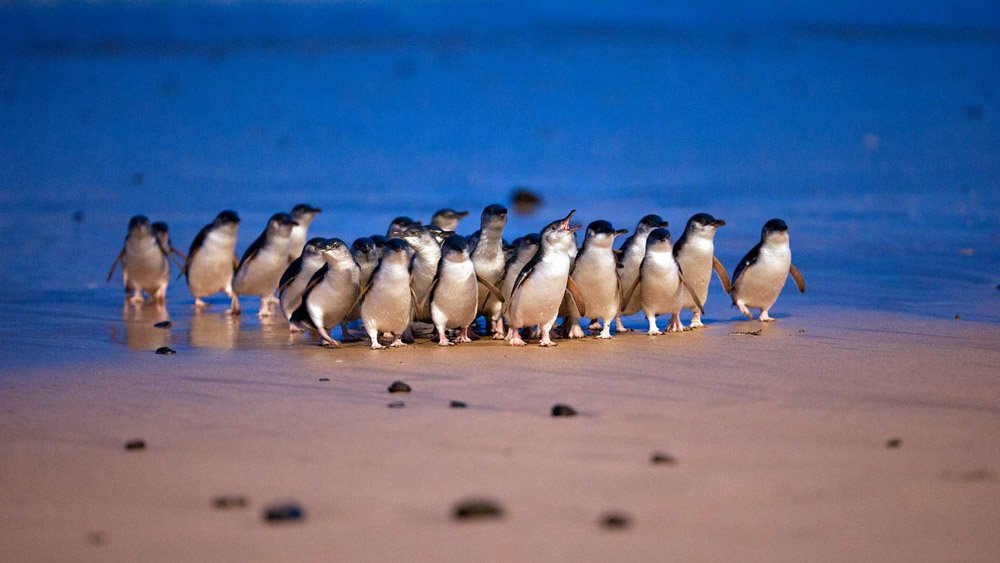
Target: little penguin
448,219
387,302
212,259
145,260
760,275
366,255
303,214
453,295
264,261
524,250
380,242
631,255
695,254
424,242
398,225
660,285
293,282
486,250
596,274
539,287
332,292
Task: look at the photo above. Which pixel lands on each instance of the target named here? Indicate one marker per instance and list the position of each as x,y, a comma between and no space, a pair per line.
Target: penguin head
659,240
650,222
494,216
400,224
280,224
397,251
602,234
561,235
380,242
448,218
529,243
703,224
454,249
227,220
161,231
364,247
420,237
304,213
774,231
312,246
139,225
335,251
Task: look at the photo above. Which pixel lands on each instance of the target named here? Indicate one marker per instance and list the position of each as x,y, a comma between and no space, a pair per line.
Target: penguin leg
234,301
546,340
764,317
605,330
326,336
265,306
398,342
675,323
443,335
514,336
372,331
653,331
695,321
294,328
463,335
619,326
161,294
498,332
575,331
743,308
595,325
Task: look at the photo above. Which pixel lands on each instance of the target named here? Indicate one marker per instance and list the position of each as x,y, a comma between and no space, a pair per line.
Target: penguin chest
455,296
211,268
760,283
660,289
146,264
597,279
260,274
695,261
331,300
538,298
388,305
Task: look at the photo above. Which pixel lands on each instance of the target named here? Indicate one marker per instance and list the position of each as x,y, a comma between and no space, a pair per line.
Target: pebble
324,379
284,513
229,502
958,317
660,458
457,405
893,442
396,405
477,509
97,537
563,410
615,521
135,445
399,387
165,351
162,324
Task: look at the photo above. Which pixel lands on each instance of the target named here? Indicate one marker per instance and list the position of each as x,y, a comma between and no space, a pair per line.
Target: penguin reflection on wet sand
660,285
760,275
453,295
695,255
145,260
303,215
539,287
293,282
264,261
387,303
595,273
211,260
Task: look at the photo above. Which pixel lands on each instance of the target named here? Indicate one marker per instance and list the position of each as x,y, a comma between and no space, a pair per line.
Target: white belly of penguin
211,269
148,268
387,305
660,290
261,275
455,297
330,301
598,282
696,265
760,284
537,300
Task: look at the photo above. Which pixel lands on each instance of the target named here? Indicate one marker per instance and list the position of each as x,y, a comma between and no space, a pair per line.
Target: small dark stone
958,317
324,379
165,351
801,330
97,537
77,216
229,502
893,443
615,521
135,445
477,509
399,387
457,405
396,405
525,201
284,513
563,410
163,324
660,458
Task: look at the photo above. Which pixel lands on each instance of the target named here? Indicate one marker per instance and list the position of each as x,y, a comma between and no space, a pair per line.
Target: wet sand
779,439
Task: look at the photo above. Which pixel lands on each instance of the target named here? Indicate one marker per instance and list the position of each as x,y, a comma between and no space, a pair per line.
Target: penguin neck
490,241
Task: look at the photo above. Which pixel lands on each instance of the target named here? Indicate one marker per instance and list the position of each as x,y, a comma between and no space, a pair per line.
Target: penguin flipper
797,276
694,296
120,259
631,291
521,276
747,260
720,271
490,287
361,296
293,270
199,240
178,253
252,250
577,295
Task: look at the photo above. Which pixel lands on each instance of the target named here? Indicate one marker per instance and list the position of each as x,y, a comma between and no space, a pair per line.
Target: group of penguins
429,274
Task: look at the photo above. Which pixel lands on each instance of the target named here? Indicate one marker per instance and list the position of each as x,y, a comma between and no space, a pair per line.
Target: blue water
873,133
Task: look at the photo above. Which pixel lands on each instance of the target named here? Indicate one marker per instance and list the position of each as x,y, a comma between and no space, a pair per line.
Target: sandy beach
779,441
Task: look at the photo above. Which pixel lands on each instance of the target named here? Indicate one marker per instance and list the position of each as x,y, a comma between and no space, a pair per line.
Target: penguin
423,240
398,225
447,219
365,254
294,281
387,302
760,275
212,259
595,272
632,252
539,287
524,250
264,261
303,214
661,284
486,250
145,261
332,292
695,254
453,294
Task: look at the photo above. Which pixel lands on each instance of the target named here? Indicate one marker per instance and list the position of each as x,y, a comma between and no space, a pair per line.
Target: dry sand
780,441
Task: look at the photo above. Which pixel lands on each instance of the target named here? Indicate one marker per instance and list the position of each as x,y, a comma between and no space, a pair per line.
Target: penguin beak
564,225
719,223
664,225
461,214
621,232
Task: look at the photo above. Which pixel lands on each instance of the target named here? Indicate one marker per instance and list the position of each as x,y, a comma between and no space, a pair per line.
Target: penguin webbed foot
398,343
765,318
515,337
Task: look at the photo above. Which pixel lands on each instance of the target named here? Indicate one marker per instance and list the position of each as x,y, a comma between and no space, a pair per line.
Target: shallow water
881,150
